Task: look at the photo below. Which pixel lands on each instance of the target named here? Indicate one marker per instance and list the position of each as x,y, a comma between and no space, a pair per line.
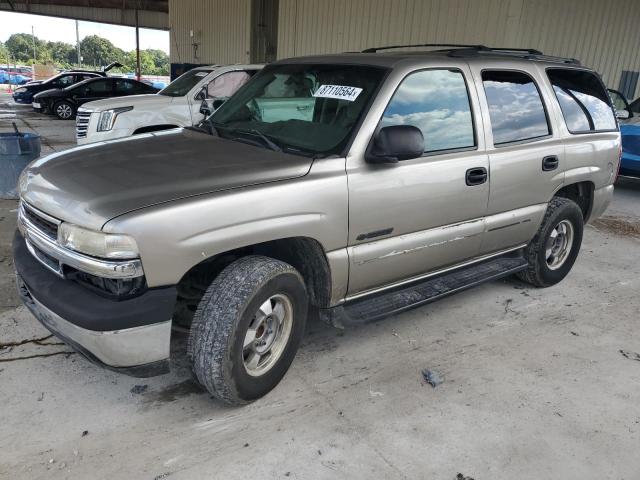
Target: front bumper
22,97
130,336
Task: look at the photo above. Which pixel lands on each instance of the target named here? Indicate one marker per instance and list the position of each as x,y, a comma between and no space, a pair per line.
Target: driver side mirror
394,143
205,108
623,114
202,94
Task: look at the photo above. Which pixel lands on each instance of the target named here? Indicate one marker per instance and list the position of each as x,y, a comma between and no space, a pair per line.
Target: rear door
94,90
526,154
126,86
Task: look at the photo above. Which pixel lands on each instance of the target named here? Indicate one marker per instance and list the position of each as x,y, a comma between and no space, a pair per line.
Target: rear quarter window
585,104
516,110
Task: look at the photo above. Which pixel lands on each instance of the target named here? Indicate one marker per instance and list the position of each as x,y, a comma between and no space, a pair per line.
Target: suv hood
91,184
150,100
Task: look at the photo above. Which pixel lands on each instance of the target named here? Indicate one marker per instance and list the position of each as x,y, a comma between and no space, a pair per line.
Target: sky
64,30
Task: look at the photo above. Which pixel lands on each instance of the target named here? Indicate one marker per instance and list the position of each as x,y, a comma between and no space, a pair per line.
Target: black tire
223,317
64,110
539,273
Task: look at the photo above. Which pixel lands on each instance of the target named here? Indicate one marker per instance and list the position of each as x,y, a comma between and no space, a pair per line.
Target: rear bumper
601,199
130,336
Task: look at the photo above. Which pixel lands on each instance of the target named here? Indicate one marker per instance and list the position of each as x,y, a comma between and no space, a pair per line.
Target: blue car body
630,165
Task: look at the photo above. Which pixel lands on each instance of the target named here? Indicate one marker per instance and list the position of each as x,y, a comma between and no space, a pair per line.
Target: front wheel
64,110
247,328
554,249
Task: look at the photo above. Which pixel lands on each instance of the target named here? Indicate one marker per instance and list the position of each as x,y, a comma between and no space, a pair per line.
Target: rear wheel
64,110
247,328
554,249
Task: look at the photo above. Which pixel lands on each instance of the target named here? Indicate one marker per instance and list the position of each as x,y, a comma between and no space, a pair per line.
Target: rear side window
585,104
436,102
515,107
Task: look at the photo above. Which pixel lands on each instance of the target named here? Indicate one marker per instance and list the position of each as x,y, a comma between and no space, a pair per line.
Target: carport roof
149,5
152,13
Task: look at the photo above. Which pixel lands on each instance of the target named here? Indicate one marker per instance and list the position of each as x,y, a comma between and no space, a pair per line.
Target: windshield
184,83
305,109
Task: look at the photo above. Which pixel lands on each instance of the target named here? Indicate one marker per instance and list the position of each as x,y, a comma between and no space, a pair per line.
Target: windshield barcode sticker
339,92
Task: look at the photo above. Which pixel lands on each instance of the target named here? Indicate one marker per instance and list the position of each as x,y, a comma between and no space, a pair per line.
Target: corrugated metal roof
151,13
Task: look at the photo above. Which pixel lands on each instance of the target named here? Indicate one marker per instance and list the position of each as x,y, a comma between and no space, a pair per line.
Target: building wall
602,34
222,28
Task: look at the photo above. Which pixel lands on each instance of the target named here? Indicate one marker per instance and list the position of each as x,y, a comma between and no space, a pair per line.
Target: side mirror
394,143
206,109
202,94
217,103
623,114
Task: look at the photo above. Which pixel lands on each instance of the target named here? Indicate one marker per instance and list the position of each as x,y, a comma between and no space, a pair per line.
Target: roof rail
524,53
390,47
456,49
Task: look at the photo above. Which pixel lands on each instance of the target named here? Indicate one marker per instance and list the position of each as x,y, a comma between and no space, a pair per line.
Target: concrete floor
535,387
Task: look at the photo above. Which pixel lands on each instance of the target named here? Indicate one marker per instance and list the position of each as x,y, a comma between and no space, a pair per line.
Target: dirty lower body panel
381,305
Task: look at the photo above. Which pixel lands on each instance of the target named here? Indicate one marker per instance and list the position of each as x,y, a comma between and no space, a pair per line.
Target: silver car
350,186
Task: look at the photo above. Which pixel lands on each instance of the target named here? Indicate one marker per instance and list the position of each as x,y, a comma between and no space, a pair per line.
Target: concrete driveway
537,384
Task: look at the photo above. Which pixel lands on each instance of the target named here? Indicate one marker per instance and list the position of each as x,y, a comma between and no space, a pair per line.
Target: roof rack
524,53
458,50
390,47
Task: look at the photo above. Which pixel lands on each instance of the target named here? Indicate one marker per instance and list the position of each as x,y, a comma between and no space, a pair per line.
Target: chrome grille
45,224
82,123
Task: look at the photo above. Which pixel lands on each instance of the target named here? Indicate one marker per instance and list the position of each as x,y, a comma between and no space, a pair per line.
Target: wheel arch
305,254
581,193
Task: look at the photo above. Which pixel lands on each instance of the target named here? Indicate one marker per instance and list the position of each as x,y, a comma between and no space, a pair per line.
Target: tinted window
97,87
437,102
126,87
515,106
64,81
585,104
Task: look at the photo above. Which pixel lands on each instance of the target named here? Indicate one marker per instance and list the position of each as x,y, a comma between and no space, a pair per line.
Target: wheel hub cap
558,245
267,335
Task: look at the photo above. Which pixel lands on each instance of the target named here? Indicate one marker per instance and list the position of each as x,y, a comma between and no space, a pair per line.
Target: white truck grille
82,123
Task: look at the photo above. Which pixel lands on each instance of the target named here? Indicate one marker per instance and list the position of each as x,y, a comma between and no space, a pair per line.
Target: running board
379,306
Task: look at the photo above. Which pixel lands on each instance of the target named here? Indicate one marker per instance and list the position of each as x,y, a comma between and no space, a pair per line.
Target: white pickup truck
177,105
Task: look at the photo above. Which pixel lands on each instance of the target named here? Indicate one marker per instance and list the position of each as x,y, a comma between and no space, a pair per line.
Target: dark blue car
629,119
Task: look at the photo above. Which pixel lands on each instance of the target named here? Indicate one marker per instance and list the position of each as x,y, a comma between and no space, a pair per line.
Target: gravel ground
536,384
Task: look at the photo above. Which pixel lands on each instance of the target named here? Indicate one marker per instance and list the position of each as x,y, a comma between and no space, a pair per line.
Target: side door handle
550,163
476,176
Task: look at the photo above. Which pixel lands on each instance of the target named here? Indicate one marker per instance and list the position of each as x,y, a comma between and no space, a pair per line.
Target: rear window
515,107
585,104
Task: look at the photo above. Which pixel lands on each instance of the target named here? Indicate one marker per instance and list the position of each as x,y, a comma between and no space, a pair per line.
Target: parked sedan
26,93
65,102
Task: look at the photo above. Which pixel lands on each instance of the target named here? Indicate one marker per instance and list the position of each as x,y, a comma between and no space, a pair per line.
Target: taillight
619,160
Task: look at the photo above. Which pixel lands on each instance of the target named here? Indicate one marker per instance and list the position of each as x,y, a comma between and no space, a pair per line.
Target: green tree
98,51
61,53
20,46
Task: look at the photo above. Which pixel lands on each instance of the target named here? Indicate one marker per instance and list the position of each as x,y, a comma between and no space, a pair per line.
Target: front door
421,215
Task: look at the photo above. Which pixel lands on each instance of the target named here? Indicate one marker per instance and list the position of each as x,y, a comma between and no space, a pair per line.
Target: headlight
108,118
97,244
21,90
22,182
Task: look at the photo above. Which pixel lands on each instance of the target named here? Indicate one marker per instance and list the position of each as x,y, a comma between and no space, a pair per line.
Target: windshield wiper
267,141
